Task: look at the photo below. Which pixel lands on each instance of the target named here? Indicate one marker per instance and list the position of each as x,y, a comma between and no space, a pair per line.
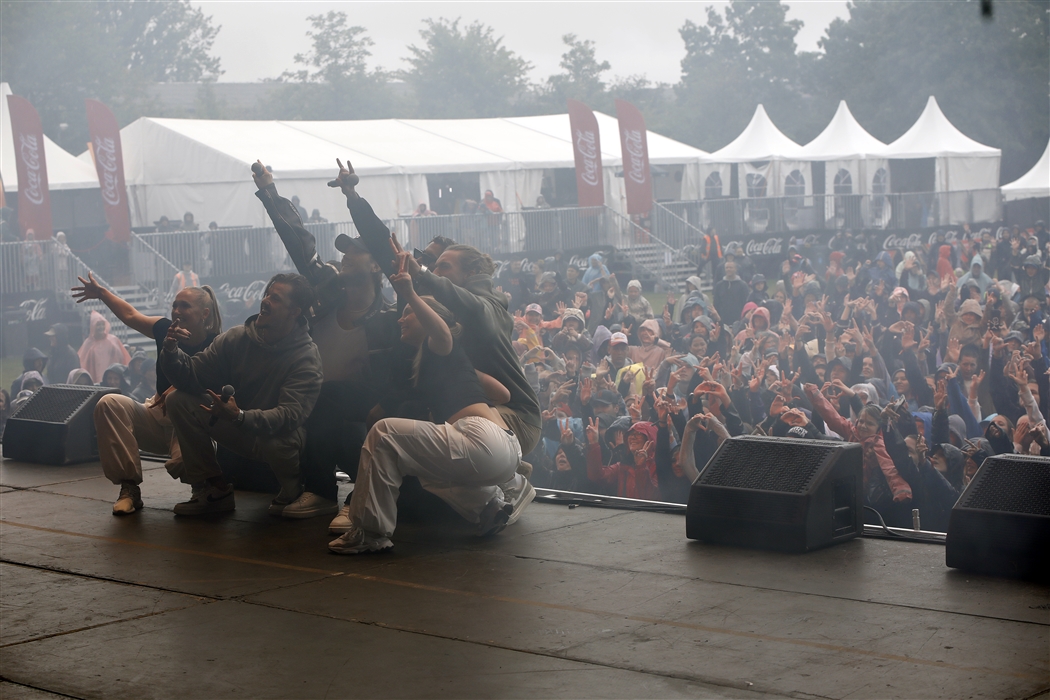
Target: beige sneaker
130,499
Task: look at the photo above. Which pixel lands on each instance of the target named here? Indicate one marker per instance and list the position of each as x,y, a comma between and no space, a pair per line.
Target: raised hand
560,308
567,438
402,281
940,396
346,180
263,177
975,384
580,301
90,289
954,346
640,456
592,431
649,385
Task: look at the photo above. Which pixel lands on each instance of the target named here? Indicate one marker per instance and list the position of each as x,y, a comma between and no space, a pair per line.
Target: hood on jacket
957,425
646,429
75,376
916,308
652,325
757,279
601,335
1033,261
971,306
95,318
576,314
869,390
762,312
945,252
956,460
29,376
886,258
61,334
975,261
32,355
695,281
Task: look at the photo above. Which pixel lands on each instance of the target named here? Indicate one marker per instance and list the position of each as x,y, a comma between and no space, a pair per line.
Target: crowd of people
482,387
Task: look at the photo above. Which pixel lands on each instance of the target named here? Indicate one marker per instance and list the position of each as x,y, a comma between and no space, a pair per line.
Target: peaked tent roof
760,140
843,139
1035,183
933,136
64,170
377,147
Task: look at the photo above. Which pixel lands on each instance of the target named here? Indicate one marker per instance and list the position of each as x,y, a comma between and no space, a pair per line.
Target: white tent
770,164
961,163
851,155
1033,184
64,170
202,166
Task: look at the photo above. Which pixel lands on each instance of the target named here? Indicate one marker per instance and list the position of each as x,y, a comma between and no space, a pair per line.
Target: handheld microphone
227,393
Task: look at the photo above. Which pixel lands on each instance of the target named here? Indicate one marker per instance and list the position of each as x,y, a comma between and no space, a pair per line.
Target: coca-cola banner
635,149
109,164
587,150
34,200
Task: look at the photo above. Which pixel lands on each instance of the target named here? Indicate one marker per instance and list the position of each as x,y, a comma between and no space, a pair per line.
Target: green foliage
55,54
581,76
334,81
732,64
463,72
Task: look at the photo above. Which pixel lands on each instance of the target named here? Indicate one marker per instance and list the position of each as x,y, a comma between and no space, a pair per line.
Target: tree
991,78
463,72
732,65
581,76
56,54
334,81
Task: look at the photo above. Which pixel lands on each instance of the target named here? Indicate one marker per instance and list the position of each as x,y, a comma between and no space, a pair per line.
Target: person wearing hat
637,305
966,325
573,333
620,367
758,289
632,478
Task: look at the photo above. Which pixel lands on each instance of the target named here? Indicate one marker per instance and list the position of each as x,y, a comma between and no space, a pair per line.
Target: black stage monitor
786,494
55,426
1001,523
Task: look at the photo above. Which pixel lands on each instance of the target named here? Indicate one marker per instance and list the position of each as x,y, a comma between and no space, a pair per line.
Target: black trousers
335,433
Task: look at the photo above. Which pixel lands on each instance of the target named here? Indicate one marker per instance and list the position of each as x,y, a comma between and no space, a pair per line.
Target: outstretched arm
300,243
125,312
374,233
439,336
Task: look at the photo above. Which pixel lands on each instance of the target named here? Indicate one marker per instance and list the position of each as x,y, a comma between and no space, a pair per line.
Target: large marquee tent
202,166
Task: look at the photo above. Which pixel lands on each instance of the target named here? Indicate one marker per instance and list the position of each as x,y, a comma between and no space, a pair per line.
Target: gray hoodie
276,385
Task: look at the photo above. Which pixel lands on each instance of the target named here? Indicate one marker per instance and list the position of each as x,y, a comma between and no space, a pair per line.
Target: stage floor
569,602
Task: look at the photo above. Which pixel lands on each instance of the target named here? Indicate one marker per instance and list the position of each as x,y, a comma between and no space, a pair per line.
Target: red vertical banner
109,164
34,199
587,151
634,145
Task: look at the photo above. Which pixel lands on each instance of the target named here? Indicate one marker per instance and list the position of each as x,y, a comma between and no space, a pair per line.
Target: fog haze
259,39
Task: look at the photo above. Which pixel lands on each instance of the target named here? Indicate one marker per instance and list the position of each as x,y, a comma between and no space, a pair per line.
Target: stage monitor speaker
1001,523
55,426
786,494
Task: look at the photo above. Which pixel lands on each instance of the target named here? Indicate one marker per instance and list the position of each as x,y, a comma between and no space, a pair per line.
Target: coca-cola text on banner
34,198
109,164
587,151
634,145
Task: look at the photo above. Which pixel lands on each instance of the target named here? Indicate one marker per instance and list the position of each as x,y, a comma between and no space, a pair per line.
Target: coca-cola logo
635,150
902,242
29,151
35,309
249,294
770,246
106,159
587,147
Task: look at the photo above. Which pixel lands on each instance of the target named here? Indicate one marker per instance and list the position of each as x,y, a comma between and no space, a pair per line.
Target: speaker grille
55,403
781,465
1012,485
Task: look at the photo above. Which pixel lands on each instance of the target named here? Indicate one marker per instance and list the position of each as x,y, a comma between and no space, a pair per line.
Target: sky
259,39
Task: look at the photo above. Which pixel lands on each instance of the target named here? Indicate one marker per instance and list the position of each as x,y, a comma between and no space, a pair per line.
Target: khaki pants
124,427
461,463
191,424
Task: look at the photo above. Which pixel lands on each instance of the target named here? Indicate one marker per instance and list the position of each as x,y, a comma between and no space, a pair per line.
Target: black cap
344,244
606,397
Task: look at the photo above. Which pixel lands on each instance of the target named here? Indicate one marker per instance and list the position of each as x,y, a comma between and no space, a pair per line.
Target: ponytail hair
206,298
453,326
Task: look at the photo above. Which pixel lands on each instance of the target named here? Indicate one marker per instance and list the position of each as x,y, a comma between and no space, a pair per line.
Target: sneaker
525,469
130,499
207,500
520,499
494,517
341,522
309,505
357,541
282,501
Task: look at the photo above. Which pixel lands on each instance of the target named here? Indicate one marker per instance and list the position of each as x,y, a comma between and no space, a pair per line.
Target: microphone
227,393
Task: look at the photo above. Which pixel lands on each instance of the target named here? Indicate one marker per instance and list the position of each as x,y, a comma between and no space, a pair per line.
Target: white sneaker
520,498
207,500
129,501
357,541
309,505
494,517
341,522
282,501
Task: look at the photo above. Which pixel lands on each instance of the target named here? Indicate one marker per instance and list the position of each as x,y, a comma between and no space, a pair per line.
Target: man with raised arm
357,337
462,281
125,426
